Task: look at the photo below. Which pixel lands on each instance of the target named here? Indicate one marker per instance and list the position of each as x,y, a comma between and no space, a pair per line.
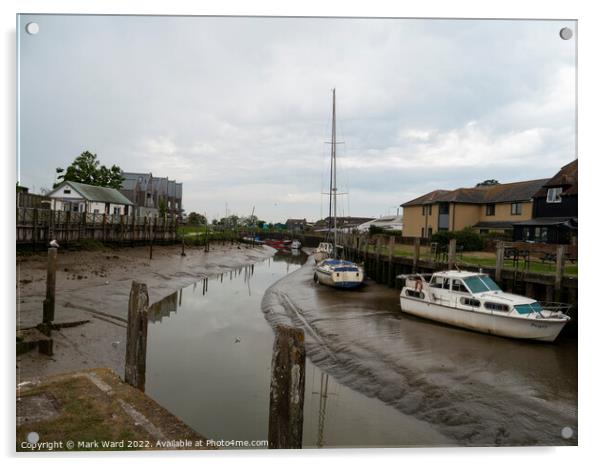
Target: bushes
467,238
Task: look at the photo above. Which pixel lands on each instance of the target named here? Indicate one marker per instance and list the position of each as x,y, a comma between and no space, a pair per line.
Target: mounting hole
566,33
566,432
32,28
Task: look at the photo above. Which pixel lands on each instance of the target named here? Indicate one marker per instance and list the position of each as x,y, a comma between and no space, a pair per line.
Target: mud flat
95,286
476,389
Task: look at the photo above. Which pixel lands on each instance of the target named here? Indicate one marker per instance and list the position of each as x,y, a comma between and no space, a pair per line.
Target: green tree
196,219
488,183
162,207
87,169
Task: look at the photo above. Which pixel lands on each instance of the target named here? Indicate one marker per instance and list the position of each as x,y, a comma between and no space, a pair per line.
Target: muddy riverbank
475,389
95,286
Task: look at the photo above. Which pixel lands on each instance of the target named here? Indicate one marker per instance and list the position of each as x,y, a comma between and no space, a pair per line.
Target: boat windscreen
481,283
528,308
490,283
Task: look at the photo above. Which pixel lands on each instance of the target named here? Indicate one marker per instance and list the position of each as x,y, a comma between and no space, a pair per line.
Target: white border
590,80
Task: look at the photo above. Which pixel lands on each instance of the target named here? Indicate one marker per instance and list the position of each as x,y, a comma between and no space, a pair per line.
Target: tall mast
333,172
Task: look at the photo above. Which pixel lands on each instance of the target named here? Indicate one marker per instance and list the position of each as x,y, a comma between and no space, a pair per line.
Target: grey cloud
238,108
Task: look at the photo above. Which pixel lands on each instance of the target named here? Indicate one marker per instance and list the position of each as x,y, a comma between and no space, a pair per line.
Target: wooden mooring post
499,261
451,254
48,309
287,389
416,256
559,272
391,273
135,352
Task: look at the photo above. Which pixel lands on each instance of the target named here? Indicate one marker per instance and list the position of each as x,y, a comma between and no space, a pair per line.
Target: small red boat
278,243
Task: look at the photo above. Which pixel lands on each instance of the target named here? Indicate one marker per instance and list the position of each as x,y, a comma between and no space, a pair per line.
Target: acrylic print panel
215,248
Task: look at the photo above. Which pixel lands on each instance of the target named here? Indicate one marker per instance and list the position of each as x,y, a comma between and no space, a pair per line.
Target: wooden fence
39,226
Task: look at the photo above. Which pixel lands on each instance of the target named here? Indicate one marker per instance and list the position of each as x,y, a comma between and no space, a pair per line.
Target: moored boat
330,270
339,273
474,301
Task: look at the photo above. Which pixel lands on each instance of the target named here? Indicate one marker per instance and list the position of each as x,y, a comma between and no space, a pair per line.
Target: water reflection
209,362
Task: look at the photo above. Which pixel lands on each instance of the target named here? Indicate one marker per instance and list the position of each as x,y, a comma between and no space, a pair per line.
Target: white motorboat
330,270
474,301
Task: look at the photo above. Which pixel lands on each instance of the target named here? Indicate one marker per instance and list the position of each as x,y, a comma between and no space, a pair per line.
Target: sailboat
330,270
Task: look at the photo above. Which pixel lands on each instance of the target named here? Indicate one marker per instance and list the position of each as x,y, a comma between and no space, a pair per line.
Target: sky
239,109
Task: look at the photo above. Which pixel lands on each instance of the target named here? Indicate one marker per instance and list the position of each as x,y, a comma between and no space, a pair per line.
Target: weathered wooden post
378,271
499,261
416,256
135,352
34,233
48,312
391,280
152,235
451,255
287,389
559,271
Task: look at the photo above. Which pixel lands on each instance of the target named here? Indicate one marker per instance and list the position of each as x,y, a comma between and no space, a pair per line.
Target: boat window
490,283
528,308
481,283
437,282
458,286
446,284
470,302
415,294
496,307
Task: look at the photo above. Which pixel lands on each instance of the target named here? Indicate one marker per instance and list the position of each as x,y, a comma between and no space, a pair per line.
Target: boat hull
528,329
345,282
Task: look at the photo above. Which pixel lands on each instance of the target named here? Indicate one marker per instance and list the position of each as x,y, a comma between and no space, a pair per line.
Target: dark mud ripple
475,389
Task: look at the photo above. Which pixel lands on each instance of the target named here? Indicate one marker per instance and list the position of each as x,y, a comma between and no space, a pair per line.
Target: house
70,196
554,210
342,223
296,225
486,208
150,193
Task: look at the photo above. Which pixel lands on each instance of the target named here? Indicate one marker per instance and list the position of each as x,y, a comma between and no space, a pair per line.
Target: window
422,232
554,195
490,209
116,210
496,307
516,208
458,286
427,209
96,211
470,302
481,283
444,208
430,232
436,282
67,190
415,294
528,308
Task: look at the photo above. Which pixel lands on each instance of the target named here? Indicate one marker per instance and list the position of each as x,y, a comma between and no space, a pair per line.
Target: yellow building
490,208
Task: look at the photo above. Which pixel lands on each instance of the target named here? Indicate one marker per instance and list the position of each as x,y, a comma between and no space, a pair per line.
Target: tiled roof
506,192
565,178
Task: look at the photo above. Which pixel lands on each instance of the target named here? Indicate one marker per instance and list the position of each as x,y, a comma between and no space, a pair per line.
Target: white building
70,196
388,222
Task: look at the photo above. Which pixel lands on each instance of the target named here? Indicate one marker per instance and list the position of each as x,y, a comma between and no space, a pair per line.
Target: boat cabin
468,291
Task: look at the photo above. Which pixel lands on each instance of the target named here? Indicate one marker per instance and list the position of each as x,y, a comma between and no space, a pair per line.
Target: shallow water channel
208,362
374,376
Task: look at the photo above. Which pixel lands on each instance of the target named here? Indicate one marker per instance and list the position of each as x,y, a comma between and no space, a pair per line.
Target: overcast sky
238,109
